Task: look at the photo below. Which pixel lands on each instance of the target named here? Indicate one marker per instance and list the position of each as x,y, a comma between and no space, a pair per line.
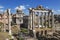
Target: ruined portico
44,19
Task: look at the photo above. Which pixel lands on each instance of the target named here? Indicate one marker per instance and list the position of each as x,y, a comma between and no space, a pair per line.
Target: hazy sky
25,4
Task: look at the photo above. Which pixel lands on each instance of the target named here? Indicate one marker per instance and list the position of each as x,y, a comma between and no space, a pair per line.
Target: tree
1,26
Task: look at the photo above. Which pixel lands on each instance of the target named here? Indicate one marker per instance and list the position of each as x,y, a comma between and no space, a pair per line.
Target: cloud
47,7
16,8
1,10
1,7
53,10
58,10
27,5
21,7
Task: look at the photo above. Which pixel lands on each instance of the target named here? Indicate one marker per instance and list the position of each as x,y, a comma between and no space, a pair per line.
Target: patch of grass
24,30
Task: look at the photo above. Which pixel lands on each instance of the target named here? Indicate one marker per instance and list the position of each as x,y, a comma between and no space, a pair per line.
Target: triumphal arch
41,20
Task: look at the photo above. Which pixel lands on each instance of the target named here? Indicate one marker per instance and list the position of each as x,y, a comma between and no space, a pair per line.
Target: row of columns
9,22
47,15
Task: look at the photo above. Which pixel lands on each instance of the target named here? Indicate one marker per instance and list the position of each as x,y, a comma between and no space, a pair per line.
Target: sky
25,4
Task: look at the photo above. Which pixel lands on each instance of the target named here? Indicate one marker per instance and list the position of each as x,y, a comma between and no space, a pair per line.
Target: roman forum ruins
41,20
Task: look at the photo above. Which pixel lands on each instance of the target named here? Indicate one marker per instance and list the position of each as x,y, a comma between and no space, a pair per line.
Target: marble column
48,19
42,19
33,23
52,19
9,21
45,19
53,25
33,20
30,20
38,19
4,24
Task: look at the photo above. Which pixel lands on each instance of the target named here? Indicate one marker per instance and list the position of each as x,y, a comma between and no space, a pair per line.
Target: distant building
19,17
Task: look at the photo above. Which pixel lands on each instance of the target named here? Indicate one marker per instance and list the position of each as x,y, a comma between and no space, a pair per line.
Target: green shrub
21,38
